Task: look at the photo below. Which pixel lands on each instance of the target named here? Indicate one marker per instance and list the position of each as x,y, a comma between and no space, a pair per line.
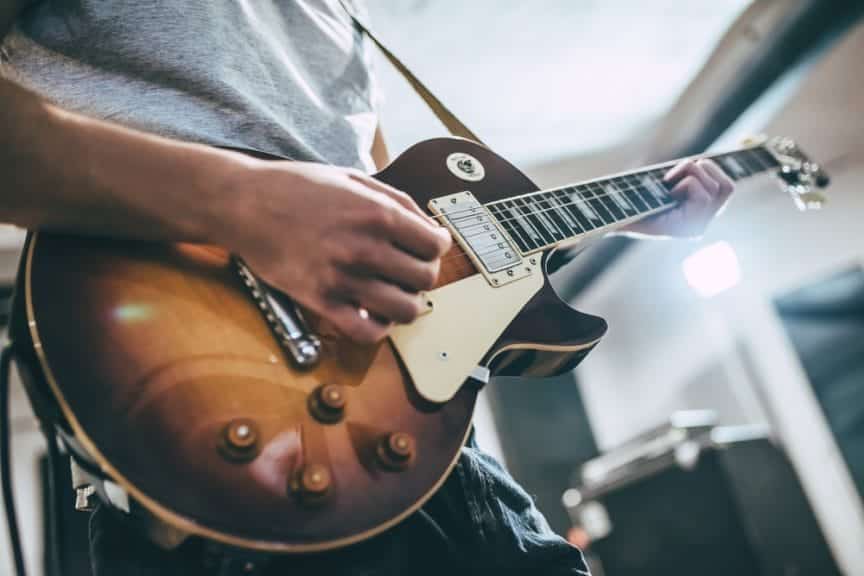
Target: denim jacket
480,522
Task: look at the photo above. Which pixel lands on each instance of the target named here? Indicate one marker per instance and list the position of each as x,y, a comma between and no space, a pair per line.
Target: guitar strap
450,121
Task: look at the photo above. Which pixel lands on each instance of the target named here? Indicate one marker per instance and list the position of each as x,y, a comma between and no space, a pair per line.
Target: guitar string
563,205
461,252
455,213
557,207
652,172
738,155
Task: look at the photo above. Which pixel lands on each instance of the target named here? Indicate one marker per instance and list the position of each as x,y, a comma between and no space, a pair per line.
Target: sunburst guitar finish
171,383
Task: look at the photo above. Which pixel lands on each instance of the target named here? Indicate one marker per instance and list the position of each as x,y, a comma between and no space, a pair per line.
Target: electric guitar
201,402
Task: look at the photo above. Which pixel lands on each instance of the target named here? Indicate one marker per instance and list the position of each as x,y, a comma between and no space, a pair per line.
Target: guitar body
155,354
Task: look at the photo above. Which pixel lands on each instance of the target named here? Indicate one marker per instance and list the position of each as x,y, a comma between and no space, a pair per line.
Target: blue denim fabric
479,522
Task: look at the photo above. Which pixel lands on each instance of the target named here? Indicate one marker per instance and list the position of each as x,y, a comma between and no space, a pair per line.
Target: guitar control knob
239,440
396,451
327,403
313,483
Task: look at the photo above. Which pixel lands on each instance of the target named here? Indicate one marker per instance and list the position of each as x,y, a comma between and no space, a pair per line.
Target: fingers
711,177
697,207
389,263
725,183
408,225
364,309
382,300
413,235
711,186
702,188
348,319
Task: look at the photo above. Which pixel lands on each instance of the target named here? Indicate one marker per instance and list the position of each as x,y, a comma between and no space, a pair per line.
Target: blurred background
719,426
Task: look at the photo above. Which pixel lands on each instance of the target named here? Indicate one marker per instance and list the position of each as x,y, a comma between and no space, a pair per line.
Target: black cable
57,503
6,462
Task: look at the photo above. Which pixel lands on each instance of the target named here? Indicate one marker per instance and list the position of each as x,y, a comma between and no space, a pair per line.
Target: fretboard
546,218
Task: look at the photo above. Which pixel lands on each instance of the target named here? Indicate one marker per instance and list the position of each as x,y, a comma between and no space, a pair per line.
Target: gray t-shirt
286,77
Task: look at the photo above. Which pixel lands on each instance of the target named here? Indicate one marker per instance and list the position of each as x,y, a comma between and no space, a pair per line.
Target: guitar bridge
284,319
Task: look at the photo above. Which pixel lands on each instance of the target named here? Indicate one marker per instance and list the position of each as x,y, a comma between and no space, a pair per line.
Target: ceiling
544,80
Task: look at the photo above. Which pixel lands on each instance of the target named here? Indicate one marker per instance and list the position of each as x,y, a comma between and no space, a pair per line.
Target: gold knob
240,440
327,403
396,451
313,483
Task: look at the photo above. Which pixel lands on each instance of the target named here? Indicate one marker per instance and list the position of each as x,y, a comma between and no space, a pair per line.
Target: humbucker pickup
476,230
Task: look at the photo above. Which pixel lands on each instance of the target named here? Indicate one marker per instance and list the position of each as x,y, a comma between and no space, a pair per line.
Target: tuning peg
820,177
789,174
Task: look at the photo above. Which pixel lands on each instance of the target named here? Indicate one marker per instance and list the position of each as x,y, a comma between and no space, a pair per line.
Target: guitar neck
544,219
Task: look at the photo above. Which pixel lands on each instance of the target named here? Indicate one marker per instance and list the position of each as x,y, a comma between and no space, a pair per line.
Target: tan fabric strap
455,126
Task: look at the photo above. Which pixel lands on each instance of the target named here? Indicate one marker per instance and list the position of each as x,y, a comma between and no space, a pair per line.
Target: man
111,112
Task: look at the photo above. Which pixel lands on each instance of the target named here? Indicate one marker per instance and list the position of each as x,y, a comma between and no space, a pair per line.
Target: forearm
62,171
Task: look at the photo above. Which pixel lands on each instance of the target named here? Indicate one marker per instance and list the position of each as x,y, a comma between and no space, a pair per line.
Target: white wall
662,335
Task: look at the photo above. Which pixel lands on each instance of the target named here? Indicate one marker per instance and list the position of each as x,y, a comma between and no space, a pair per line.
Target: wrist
226,186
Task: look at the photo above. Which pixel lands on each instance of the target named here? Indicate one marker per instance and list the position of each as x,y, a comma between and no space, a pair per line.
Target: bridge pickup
482,239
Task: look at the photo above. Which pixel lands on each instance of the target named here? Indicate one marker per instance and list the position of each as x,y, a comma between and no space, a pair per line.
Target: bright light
712,269
128,313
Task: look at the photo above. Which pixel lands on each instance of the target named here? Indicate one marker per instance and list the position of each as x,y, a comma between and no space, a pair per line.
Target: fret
757,161
657,186
753,162
749,163
658,174
545,200
584,203
570,201
521,230
516,215
532,239
733,168
643,194
555,199
612,208
588,193
632,194
512,227
766,158
637,193
544,217
646,193
615,192
544,235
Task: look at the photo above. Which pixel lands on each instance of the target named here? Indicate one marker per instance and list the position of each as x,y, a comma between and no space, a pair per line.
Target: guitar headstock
800,176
